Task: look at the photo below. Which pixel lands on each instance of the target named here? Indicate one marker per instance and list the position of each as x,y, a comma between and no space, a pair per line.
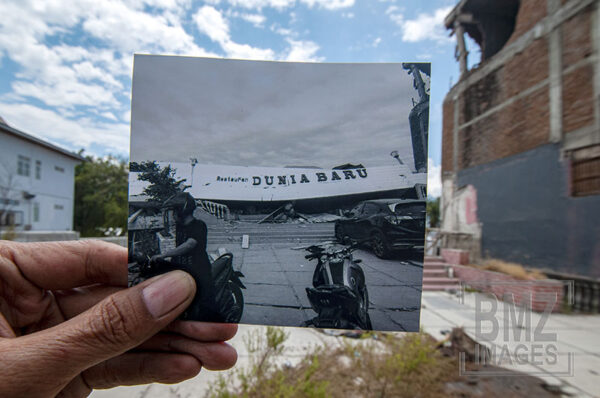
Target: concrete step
440,287
278,239
435,275
435,267
434,272
435,262
434,280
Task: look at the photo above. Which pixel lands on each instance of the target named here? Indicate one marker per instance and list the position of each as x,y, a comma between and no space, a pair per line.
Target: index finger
64,265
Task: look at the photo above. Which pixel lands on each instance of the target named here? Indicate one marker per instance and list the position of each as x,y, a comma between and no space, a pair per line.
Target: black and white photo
293,193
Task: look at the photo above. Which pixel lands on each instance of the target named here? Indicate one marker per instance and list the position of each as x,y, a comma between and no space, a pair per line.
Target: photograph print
293,193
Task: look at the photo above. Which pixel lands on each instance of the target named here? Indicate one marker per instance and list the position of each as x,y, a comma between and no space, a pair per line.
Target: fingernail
167,292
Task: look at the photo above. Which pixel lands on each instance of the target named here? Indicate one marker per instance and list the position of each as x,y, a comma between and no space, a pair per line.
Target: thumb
119,322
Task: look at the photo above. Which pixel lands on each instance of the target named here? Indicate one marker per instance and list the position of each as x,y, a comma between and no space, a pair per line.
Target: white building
37,182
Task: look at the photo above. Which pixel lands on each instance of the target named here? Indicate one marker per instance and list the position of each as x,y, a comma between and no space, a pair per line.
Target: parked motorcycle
339,294
227,283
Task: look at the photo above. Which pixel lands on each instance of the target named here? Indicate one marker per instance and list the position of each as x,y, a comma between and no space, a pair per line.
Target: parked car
386,225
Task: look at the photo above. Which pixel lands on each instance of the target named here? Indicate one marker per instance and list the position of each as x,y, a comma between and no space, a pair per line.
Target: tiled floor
276,277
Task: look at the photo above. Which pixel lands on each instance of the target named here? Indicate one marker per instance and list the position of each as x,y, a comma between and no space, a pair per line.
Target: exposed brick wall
447,131
483,95
577,38
476,142
539,293
530,13
526,69
518,127
578,98
521,72
524,123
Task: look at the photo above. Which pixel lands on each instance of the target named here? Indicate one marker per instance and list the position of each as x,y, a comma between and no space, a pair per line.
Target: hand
68,323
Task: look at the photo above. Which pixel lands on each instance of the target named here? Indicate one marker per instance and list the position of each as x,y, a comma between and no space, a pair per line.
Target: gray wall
528,217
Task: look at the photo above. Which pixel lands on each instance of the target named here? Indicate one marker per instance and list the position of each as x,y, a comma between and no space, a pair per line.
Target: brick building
521,134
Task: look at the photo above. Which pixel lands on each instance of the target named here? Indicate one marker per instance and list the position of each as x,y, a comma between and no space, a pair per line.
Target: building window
38,170
585,171
23,165
36,212
8,218
9,202
59,207
59,169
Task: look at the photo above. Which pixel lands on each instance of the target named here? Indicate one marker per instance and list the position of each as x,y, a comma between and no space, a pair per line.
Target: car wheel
379,245
341,236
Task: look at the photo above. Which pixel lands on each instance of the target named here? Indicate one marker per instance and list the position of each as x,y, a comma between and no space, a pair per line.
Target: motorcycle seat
221,264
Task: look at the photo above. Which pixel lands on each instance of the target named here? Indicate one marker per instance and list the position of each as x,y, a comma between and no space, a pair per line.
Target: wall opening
585,171
490,23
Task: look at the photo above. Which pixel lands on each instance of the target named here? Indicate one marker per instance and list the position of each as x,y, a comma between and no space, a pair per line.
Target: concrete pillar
555,76
596,43
455,135
462,52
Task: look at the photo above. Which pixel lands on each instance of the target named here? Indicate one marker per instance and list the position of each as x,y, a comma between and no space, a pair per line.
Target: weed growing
390,366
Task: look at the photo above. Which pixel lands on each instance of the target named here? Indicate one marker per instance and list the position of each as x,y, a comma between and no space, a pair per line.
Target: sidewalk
577,337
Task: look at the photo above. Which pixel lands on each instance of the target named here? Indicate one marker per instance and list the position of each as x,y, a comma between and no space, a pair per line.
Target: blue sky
65,66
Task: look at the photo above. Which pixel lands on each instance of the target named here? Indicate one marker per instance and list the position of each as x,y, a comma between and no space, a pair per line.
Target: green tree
100,195
433,212
163,183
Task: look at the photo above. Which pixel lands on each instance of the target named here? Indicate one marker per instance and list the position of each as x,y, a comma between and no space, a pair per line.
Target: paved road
276,277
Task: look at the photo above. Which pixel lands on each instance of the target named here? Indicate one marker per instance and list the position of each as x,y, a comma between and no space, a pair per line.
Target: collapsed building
261,190
521,134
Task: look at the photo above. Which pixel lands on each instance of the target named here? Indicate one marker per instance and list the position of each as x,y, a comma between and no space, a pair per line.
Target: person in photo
190,256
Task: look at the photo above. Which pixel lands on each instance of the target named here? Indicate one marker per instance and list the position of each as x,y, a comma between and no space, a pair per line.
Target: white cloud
65,75
329,4
86,80
131,30
395,14
282,31
246,51
282,4
56,128
434,179
211,22
87,71
259,4
255,19
109,115
424,26
376,42
66,93
348,15
303,51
